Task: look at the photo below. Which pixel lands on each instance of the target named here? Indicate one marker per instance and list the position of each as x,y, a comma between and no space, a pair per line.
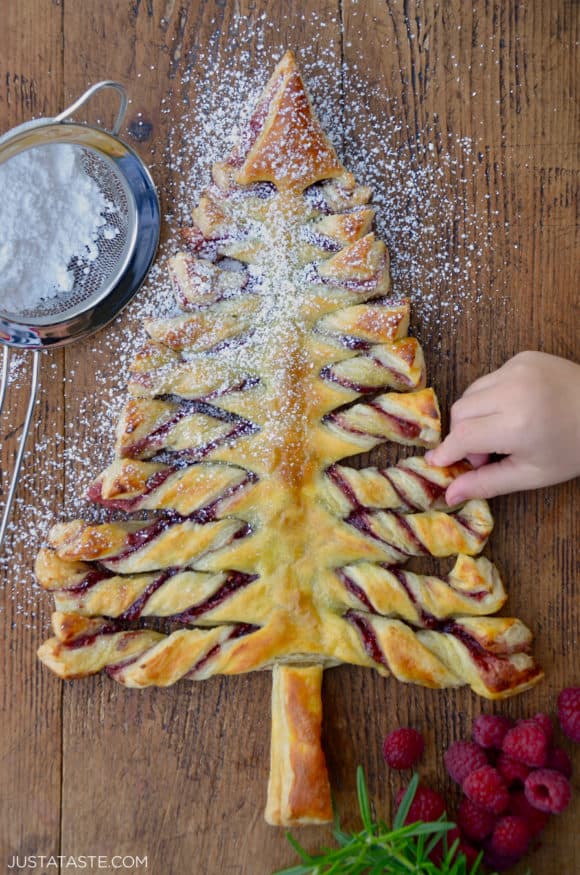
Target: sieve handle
90,92
22,443
4,378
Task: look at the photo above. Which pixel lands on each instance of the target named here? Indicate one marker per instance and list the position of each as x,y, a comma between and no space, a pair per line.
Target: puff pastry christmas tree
265,552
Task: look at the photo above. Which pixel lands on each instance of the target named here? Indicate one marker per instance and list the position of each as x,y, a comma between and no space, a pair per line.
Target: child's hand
529,411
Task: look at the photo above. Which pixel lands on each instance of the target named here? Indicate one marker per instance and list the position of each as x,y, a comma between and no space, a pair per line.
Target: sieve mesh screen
92,279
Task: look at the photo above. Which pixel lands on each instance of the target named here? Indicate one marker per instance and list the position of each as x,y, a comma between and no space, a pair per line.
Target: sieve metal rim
140,191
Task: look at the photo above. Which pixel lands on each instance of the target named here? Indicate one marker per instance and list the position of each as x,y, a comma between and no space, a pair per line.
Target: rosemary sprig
378,850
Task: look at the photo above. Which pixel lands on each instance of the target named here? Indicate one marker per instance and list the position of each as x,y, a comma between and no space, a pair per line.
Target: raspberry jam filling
256,122
315,197
498,671
236,580
328,373
339,481
355,590
404,524
354,285
95,491
260,190
496,668
209,512
399,492
109,628
362,521
209,248
185,457
135,610
321,241
403,427
432,490
342,483
368,637
239,632
469,527
136,541
155,439
351,342
427,620
91,579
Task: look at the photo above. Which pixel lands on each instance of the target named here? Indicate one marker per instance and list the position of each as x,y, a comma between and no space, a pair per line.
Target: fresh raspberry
545,722
474,822
469,851
462,758
559,760
487,788
535,818
527,743
403,747
513,772
547,790
438,852
569,712
489,730
498,862
427,805
451,836
511,836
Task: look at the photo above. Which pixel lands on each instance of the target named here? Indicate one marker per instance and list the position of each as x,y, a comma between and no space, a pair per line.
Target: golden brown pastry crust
290,149
266,551
298,790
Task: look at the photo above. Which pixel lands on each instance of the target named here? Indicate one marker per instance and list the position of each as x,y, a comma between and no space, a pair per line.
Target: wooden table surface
180,774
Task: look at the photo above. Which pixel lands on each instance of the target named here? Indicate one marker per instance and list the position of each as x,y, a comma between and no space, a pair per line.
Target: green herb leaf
403,808
363,800
379,850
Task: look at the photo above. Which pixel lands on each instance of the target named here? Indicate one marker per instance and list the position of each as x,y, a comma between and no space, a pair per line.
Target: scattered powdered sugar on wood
434,236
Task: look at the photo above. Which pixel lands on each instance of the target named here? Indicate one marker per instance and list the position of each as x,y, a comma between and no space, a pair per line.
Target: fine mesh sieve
92,279
101,286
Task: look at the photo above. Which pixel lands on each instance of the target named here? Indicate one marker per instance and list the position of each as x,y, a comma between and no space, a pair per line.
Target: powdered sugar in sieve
67,218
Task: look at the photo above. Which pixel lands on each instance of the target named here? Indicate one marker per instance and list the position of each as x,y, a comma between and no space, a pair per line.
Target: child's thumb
498,478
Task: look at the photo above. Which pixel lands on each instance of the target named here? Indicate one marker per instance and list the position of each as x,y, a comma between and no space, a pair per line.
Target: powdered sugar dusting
415,175
52,213
414,178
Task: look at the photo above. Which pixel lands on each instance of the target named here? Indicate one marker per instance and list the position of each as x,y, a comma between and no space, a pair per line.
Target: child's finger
476,460
481,384
488,481
482,403
477,435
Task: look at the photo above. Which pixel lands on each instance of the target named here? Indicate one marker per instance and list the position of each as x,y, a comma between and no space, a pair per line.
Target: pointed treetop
283,141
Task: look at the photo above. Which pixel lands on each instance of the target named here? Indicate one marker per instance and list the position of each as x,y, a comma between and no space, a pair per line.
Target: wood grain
180,774
30,704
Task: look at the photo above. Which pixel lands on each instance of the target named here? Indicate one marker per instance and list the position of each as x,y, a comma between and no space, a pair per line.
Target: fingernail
429,455
455,498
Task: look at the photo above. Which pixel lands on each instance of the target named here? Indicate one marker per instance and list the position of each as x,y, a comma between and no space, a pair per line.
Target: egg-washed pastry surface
249,544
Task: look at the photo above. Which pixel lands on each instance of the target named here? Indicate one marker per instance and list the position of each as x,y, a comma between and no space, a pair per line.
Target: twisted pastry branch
200,489
429,533
472,587
137,658
490,654
410,485
134,547
410,419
